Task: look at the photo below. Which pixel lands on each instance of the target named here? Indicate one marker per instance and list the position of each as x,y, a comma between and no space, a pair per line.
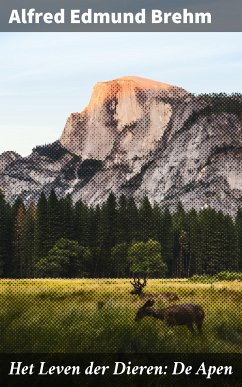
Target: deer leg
171,326
199,324
190,327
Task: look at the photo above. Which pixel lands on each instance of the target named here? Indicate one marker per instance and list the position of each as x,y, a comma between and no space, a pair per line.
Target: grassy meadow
91,315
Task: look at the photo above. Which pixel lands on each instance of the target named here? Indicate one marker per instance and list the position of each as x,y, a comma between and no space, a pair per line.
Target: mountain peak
139,138
118,113
6,158
125,87
142,83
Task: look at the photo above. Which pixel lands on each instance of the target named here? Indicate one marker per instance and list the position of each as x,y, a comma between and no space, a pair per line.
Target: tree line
57,238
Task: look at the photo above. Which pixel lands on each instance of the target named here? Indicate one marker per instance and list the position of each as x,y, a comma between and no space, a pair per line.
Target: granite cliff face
128,112
139,137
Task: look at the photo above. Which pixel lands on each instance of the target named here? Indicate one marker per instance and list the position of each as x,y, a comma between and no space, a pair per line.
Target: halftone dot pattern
144,185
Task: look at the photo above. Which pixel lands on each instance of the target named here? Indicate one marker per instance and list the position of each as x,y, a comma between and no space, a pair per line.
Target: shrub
228,276
222,276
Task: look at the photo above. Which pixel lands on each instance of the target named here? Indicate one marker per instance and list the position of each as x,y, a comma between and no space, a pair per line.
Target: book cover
120,193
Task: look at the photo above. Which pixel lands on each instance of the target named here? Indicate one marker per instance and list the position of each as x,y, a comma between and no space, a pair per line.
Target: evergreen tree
165,236
195,258
146,220
229,258
8,245
27,243
81,223
41,228
238,222
181,244
107,235
54,216
218,242
110,218
120,263
94,221
19,226
3,235
190,243
122,221
67,214
134,226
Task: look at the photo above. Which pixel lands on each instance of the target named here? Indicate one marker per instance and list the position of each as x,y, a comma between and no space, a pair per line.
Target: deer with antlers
181,314
139,286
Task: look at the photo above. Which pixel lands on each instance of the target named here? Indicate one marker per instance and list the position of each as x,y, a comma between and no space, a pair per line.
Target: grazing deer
138,289
182,314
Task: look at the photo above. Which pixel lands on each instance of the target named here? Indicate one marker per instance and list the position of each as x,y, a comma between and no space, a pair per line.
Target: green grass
85,315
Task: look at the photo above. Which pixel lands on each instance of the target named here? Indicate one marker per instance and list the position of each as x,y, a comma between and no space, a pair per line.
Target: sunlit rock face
139,138
128,113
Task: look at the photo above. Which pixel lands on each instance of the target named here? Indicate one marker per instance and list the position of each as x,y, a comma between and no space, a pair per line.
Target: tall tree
180,248
54,226
3,235
122,221
165,235
238,222
9,241
81,223
67,214
27,243
120,263
134,226
19,226
41,228
146,260
107,235
229,259
190,243
194,259
146,220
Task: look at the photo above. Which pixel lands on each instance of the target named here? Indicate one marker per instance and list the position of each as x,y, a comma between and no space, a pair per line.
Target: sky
46,76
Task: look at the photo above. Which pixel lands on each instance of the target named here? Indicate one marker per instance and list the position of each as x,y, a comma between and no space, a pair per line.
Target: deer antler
137,282
144,282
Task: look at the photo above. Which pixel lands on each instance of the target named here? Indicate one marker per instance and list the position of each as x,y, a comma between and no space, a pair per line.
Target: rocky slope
139,137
